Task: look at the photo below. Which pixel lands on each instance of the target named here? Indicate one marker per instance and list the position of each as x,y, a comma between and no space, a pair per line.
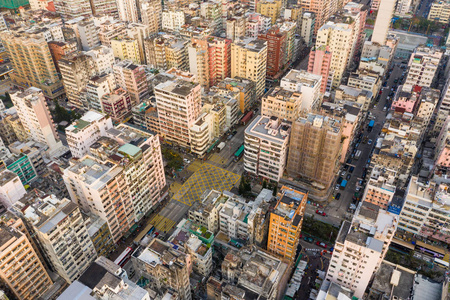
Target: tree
264,184
8,97
275,189
61,114
173,158
244,186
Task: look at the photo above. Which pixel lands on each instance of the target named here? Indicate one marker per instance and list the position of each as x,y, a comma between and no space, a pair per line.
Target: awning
403,243
431,247
133,228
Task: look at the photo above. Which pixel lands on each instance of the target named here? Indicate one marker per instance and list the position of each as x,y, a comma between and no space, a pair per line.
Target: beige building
423,65
246,90
133,79
151,11
266,145
115,163
126,49
167,51
314,150
25,50
269,8
179,104
62,235
249,60
282,104
439,11
21,268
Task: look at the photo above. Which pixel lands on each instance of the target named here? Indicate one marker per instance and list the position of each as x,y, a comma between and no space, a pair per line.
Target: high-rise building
249,60
86,32
35,116
245,88
96,88
282,103
236,27
276,50
322,10
82,133
172,20
383,21
139,32
76,70
117,104
133,79
60,49
151,11
179,105
440,12
319,63
104,7
308,25
11,188
126,160
361,246
210,60
166,266
269,8
24,50
286,221
21,268
167,51
266,145
126,49
128,10
422,65
256,24
73,8
307,84
61,233
315,149
103,58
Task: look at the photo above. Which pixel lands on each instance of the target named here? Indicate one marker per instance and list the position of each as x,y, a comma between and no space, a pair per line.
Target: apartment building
145,115
104,277
73,8
244,88
166,266
139,32
126,49
166,52
59,49
365,80
172,20
117,104
277,50
151,11
21,268
308,25
11,188
236,27
315,150
76,69
133,79
322,10
266,143
96,88
87,34
360,247
35,117
239,280
286,223
377,58
82,133
308,84
404,7
249,60
116,160
379,190
128,10
179,104
422,67
189,240
354,94
60,231
211,11
319,63
104,8
282,103
269,8
383,21
440,12
103,59
256,24
99,234
23,49
109,29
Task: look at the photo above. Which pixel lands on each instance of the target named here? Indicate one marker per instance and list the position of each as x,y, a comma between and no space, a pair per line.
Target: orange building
286,223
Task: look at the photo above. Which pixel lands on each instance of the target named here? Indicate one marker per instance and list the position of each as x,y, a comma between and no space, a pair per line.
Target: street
336,210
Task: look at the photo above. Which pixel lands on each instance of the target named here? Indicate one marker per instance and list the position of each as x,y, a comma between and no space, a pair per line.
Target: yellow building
286,223
20,266
126,49
269,8
282,103
249,60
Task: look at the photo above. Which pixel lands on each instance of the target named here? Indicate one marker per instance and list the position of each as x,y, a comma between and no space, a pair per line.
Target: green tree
173,158
8,97
275,189
61,114
264,184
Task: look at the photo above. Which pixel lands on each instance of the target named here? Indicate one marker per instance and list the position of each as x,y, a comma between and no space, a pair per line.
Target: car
234,132
348,176
229,137
343,173
385,108
369,142
339,180
345,168
357,145
308,239
351,169
358,189
321,212
337,187
374,107
338,196
156,234
331,249
321,244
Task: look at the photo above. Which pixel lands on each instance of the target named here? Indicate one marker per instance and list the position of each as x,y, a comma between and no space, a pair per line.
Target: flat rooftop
178,86
261,128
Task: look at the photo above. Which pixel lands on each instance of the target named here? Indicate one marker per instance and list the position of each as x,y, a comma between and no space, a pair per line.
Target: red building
276,51
319,63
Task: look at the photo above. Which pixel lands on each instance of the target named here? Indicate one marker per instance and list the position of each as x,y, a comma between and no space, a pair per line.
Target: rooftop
392,281
270,129
177,86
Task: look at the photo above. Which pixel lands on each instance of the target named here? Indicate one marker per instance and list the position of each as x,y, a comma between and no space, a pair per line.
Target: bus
124,257
358,154
441,263
239,153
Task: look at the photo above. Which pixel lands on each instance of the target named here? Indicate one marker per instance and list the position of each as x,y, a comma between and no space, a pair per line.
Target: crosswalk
162,224
313,250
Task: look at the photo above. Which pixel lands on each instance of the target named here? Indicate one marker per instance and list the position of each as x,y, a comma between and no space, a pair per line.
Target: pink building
319,63
117,104
133,79
406,102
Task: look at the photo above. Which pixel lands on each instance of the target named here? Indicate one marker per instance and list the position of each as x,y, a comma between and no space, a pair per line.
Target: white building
308,21
82,133
172,20
11,188
360,247
128,10
103,58
306,83
62,234
383,21
266,145
35,116
422,65
96,88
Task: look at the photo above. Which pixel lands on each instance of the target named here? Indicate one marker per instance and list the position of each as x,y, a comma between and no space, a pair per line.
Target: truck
371,123
343,184
358,154
220,147
245,119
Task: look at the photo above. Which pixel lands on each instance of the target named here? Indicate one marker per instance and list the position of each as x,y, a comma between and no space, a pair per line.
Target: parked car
321,244
338,196
337,187
321,212
351,169
339,180
308,239
348,176
343,173
369,142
